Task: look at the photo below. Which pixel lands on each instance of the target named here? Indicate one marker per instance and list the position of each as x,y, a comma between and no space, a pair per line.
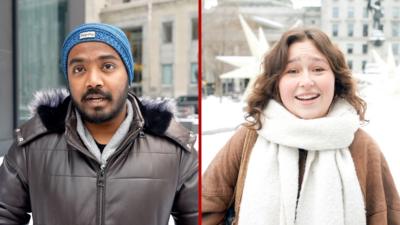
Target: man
99,155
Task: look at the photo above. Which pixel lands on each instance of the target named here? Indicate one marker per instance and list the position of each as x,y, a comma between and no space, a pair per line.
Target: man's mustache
98,93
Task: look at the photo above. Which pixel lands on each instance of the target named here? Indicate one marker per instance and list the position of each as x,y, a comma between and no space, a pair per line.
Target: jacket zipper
100,191
101,180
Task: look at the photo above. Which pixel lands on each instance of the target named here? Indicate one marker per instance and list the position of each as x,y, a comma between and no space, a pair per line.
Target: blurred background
163,35
237,33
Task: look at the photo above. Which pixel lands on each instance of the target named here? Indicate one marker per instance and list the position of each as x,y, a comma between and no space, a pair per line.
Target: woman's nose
306,80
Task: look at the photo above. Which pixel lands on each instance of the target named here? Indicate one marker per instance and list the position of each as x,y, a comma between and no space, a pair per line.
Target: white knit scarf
330,192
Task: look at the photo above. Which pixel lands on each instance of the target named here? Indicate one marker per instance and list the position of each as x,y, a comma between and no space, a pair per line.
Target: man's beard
99,116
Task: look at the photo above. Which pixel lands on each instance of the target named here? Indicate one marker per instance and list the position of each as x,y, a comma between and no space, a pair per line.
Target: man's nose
94,78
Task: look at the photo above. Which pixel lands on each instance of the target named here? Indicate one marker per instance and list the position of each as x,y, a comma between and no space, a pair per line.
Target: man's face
98,81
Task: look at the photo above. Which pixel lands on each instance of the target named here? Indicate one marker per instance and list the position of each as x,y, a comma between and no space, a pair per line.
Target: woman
301,158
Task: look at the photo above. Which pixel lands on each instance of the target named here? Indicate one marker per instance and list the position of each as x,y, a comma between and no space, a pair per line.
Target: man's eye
78,69
108,66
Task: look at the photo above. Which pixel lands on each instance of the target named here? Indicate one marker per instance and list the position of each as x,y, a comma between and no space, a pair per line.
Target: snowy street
220,117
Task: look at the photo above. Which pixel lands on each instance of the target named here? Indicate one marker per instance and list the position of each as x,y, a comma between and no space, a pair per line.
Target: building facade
350,25
164,39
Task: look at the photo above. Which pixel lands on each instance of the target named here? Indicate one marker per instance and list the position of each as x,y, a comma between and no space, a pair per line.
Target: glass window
350,64
364,48
350,12
365,30
167,74
396,29
135,37
195,31
335,12
363,65
396,49
193,73
349,48
167,32
350,29
365,12
396,12
41,28
335,29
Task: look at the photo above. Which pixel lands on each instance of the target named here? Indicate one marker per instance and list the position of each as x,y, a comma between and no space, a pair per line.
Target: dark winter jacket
49,172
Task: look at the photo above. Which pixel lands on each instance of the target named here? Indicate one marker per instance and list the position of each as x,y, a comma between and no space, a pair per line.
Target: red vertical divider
199,81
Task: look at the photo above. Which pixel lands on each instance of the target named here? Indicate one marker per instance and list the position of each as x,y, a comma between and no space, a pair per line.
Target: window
193,73
195,31
365,30
38,58
364,48
365,13
396,12
350,29
167,32
335,12
167,74
350,12
349,48
396,49
363,65
135,37
350,64
396,29
335,29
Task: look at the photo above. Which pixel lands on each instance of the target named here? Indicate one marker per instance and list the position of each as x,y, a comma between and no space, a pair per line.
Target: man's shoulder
48,111
159,120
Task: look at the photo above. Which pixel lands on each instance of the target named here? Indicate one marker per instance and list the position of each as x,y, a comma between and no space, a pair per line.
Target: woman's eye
78,69
291,71
109,66
319,70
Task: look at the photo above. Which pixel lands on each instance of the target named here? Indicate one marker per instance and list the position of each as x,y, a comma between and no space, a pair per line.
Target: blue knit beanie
100,32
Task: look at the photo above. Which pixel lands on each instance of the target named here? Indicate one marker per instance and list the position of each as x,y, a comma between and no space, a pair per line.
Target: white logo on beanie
87,34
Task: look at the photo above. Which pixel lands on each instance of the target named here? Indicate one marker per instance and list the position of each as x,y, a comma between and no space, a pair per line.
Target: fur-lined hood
49,110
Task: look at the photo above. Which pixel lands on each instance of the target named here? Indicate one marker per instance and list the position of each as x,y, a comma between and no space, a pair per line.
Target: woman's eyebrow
312,58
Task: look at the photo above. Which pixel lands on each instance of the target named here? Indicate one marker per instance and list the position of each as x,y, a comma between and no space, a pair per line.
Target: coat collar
50,111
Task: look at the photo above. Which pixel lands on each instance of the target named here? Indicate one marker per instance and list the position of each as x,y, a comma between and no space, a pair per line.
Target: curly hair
274,62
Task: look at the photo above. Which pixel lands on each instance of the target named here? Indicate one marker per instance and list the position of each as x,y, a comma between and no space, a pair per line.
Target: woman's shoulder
375,179
363,143
234,147
243,133
366,153
225,165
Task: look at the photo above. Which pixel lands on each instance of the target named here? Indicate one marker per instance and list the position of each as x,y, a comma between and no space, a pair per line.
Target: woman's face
307,84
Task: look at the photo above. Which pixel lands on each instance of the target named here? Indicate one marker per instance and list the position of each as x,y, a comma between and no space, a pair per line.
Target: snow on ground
220,117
